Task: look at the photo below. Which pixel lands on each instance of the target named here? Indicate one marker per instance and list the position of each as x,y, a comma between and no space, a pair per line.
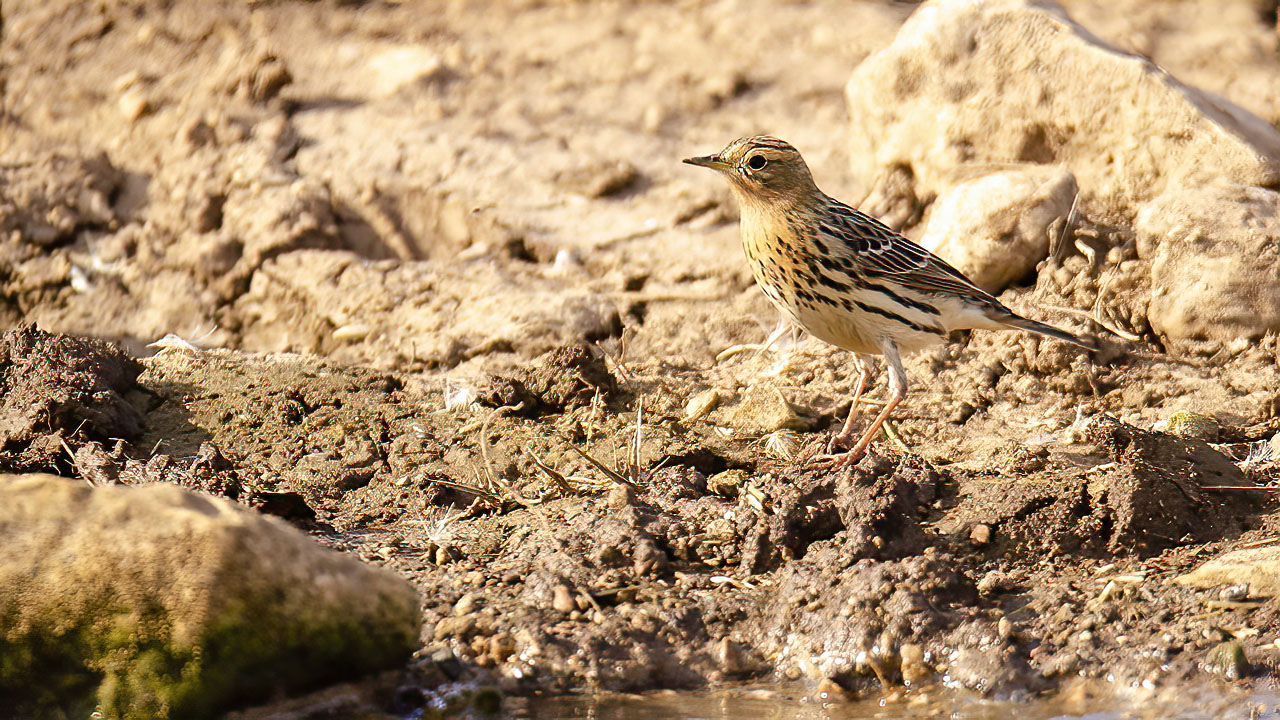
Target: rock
400,66
466,604
620,496
915,669
1228,660
562,599
501,646
1258,568
967,84
1215,270
703,403
456,626
829,691
735,658
764,409
134,103
980,534
727,483
995,229
159,602
1185,423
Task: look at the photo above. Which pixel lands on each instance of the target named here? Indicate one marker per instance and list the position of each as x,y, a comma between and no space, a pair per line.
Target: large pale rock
155,602
1259,568
995,228
1215,265
972,83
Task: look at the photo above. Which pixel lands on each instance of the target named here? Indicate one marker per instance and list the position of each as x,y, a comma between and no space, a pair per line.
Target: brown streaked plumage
847,278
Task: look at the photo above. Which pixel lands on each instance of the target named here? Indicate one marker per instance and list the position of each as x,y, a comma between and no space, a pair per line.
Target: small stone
733,657
1234,593
446,662
829,690
620,496
562,599
703,403
1004,628
134,103
1185,423
994,582
457,627
727,483
501,647
765,410
914,668
980,534
1228,660
467,604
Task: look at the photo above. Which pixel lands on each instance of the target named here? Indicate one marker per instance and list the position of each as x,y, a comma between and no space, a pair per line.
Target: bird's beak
710,161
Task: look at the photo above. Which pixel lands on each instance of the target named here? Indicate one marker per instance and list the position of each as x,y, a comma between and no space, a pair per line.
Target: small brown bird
846,277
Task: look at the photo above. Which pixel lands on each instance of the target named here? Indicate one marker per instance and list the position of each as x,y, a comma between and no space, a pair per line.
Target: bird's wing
881,252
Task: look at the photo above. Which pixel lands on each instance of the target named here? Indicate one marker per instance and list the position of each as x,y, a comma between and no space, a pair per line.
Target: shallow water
1091,703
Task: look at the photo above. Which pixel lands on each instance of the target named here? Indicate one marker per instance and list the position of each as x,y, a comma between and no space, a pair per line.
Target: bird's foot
835,461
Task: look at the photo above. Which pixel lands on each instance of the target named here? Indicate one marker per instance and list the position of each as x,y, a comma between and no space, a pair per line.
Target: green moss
127,662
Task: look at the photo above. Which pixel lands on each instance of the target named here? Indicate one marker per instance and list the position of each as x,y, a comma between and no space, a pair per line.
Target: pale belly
845,326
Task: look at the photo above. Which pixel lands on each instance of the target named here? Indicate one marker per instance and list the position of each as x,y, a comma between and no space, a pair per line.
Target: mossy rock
156,602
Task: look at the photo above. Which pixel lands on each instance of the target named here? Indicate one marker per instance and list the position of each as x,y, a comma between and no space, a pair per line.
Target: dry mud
459,308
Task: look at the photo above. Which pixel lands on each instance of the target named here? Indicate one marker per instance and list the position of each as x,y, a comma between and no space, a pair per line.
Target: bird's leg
897,391
842,439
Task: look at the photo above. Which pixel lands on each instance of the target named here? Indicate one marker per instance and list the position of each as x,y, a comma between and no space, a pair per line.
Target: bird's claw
836,461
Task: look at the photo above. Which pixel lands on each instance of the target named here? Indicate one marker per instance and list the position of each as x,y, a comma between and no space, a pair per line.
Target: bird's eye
756,162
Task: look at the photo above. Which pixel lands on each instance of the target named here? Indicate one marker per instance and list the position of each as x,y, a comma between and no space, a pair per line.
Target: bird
849,279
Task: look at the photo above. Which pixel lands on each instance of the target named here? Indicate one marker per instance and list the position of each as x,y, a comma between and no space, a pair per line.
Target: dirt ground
456,308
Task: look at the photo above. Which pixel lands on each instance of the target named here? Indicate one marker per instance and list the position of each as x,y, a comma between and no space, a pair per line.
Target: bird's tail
1039,328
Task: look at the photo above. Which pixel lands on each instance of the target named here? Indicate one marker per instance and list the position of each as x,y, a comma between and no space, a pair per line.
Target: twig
609,472
479,492
550,472
635,456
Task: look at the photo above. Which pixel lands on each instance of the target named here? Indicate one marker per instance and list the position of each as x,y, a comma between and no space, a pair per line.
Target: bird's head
762,169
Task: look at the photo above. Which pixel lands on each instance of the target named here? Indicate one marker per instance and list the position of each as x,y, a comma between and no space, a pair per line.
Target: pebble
620,496
703,403
501,647
134,103
914,668
1185,423
562,599
730,656
980,534
1004,628
830,691
466,605
460,626
1228,660
765,410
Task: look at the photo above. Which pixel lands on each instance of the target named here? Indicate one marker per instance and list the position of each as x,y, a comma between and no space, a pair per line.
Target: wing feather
881,252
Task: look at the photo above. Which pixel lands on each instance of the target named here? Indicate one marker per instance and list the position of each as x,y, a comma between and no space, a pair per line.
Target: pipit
847,278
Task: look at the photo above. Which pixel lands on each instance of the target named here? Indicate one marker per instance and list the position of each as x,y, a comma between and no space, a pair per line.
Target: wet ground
456,308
